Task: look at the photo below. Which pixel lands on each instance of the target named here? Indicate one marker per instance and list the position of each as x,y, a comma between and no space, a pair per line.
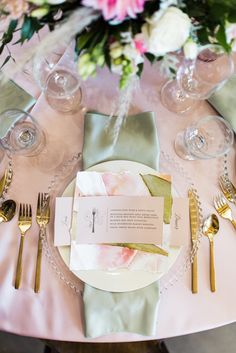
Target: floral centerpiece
122,33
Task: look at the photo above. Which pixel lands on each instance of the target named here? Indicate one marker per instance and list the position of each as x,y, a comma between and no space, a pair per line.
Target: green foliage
209,18
221,37
30,26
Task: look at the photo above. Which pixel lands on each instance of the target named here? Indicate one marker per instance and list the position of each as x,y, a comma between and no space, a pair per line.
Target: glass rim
208,118
193,61
51,93
16,110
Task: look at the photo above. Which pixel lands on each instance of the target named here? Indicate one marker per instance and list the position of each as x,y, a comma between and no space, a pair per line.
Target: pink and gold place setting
117,178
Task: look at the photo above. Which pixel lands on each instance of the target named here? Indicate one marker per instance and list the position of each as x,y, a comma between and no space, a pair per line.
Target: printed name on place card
118,219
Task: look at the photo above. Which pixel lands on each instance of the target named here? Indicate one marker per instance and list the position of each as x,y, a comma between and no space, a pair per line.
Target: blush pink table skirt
57,311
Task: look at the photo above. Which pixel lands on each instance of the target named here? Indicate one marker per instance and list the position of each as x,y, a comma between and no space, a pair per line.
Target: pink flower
15,8
116,9
140,44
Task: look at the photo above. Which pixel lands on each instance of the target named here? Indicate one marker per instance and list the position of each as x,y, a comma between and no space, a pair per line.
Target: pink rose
116,9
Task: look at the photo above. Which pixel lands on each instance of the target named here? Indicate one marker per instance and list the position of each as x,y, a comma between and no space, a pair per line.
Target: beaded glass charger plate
119,280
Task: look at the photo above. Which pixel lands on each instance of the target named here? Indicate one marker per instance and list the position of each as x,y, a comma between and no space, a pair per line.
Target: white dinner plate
118,280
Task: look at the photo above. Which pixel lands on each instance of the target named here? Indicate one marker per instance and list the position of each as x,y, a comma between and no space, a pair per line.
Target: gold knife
194,226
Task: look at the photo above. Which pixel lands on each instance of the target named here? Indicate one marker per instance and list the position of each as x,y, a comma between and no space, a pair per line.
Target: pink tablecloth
57,311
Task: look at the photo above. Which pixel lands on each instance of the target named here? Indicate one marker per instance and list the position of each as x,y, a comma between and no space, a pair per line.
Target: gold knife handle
234,223
212,267
39,260
19,263
194,275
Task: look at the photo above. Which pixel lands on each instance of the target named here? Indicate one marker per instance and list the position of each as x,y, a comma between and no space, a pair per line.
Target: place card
62,224
179,223
119,219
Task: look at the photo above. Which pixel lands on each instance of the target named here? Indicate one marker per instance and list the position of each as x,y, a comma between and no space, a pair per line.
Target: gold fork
223,209
24,223
42,219
228,189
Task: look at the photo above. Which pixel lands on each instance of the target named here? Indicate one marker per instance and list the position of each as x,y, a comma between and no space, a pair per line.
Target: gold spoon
7,211
210,228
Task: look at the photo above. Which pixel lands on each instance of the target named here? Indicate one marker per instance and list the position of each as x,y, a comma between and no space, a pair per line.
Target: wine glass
44,64
21,134
57,76
197,79
63,90
210,137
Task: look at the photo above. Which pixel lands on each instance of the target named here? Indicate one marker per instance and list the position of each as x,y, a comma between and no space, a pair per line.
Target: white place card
180,225
62,221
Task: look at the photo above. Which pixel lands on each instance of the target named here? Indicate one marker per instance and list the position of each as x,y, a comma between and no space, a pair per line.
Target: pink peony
116,9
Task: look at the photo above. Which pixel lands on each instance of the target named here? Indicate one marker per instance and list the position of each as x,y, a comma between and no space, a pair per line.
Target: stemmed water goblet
56,75
20,133
210,137
197,79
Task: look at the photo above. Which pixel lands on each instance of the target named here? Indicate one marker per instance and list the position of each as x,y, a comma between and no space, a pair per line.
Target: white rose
55,2
166,31
190,50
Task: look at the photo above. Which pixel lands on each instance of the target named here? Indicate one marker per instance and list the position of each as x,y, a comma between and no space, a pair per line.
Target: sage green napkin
13,96
134,311
224,101
137,140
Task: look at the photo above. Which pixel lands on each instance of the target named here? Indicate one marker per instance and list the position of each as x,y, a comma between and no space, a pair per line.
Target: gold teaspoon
7,210
210,228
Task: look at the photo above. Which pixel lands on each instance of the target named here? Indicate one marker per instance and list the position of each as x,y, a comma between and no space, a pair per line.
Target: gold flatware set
42,219
194,226
211,225
210,229
220,201
7,212
24,224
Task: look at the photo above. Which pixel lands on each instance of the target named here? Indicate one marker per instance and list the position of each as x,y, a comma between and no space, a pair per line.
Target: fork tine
216,201
45,200
39,204
28,213
20,211
222,201
222,184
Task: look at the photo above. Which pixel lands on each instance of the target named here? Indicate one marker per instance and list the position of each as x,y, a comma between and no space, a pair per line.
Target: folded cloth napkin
224,101
135,311
13,96
137,140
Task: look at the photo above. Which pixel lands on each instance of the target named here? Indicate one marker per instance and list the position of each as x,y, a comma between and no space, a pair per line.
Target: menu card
124,219
179,234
